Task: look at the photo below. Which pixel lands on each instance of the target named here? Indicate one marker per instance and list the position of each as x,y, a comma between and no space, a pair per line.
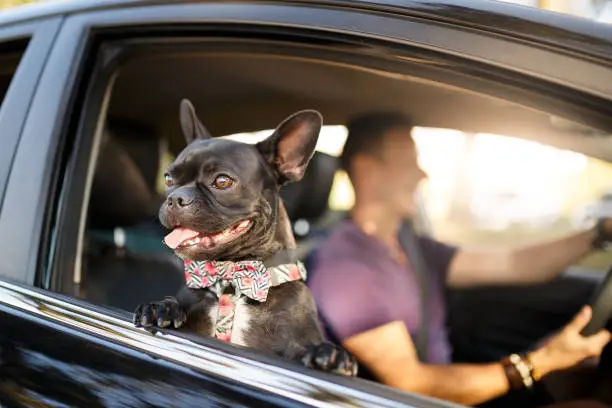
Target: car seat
125,260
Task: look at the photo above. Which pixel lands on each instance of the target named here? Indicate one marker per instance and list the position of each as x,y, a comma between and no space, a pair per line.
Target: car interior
242,89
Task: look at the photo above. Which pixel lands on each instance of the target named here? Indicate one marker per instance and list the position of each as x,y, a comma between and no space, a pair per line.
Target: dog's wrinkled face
222,195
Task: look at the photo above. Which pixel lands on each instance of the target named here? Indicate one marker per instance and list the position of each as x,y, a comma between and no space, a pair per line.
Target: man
367,294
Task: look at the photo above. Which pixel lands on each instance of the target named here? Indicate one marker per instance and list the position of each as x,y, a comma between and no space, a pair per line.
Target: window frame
14,107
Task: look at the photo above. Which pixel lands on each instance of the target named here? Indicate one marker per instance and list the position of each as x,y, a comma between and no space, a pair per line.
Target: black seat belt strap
410,244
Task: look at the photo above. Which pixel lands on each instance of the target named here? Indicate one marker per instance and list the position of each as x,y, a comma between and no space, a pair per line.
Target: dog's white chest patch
241,322
212,314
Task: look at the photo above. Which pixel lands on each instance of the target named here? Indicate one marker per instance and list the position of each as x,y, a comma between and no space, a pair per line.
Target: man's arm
389,353
528,264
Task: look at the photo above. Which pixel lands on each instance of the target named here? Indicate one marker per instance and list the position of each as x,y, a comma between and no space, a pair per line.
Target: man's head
381,160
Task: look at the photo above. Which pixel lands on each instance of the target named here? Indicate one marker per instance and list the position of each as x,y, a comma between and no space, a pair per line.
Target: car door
45,360
51,338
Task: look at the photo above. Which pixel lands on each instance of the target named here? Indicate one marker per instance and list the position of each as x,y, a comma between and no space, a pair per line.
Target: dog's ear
191,125
291,146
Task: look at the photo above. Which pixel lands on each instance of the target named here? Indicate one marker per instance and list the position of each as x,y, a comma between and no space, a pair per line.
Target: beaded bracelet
519,372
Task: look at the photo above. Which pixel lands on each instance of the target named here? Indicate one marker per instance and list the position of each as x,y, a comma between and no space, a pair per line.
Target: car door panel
56,348
57,365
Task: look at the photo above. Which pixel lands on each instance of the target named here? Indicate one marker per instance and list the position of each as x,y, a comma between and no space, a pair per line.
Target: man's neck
377,221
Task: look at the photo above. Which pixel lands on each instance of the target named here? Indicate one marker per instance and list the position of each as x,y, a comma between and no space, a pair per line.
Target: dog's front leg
316,352
298,335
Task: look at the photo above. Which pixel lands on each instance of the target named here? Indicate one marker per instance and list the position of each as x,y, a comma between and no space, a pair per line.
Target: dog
223,204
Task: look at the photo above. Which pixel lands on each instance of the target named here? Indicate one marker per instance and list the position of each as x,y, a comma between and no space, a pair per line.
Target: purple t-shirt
358,286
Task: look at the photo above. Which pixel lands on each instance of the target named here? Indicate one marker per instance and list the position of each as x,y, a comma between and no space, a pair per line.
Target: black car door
43,361
49,338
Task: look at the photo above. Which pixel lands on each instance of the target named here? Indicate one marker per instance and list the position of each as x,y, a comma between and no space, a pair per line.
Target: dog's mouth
181,237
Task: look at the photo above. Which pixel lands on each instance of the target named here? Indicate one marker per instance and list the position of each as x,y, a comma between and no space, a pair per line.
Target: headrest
121,193
307,199
142,144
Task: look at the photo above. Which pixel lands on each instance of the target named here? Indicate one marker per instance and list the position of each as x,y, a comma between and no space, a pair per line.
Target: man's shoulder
341,244
339,256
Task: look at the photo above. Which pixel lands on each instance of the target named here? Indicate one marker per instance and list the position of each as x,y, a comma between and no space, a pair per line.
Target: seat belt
410,244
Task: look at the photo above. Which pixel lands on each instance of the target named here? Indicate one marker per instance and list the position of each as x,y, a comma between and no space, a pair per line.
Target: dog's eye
168,180
222,182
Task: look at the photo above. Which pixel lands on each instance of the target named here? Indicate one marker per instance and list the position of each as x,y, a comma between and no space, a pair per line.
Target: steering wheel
601,303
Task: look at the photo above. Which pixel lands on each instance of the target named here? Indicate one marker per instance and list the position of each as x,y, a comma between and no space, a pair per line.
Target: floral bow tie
248,278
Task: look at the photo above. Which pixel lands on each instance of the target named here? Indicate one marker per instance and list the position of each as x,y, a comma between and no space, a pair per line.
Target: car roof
500,18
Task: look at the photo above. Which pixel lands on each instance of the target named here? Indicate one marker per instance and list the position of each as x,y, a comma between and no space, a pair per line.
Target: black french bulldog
223,204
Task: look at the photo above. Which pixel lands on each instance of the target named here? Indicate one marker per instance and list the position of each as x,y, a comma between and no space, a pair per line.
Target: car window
10,56
483,188
115,256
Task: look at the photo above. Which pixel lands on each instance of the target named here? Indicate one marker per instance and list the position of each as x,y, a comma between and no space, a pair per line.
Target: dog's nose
179,200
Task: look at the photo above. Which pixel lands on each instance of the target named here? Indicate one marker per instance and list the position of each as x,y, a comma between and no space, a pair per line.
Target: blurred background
13,3
600,10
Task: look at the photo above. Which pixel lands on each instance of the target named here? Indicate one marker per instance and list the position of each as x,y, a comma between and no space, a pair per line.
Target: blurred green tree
4,4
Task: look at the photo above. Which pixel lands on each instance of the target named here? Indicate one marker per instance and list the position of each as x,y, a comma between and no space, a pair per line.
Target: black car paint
47,339
62,367
55,349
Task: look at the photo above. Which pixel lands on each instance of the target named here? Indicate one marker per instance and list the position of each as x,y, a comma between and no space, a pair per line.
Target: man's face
398,171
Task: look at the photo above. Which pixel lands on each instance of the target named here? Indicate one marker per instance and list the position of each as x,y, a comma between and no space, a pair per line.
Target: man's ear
289,149
193,129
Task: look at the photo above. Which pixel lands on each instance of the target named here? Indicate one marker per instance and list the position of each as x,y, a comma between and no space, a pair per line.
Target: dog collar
247,278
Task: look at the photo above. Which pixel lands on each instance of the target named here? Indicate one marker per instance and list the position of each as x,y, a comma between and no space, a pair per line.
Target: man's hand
569,347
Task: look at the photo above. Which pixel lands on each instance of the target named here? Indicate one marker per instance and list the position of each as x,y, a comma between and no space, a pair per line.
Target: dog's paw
162,314
330,358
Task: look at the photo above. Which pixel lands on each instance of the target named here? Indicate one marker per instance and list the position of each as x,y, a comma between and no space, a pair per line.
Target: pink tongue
179,235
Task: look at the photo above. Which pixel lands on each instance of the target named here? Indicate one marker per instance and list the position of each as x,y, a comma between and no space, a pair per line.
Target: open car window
483,188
